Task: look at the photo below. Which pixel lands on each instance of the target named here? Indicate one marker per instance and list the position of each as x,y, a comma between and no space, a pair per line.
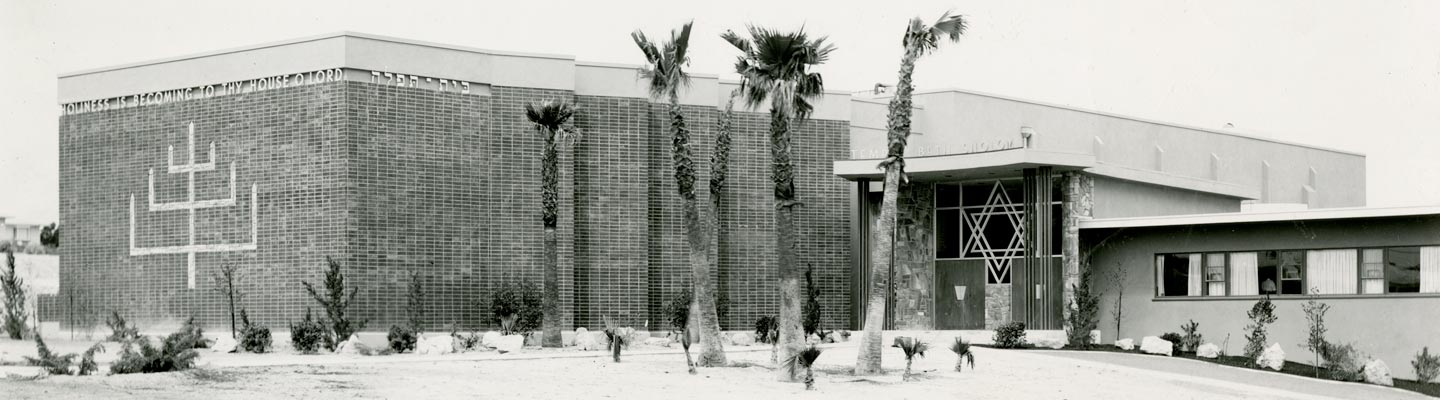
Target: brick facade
391,179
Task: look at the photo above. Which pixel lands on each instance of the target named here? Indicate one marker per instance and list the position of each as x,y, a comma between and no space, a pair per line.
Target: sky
1354,75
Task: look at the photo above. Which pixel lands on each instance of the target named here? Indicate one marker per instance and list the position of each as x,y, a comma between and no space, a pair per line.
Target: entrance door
960,294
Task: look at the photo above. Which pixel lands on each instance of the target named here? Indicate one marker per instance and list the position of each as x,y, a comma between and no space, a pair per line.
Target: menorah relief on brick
190,205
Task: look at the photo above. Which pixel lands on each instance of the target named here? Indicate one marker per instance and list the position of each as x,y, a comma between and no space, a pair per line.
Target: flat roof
1270,216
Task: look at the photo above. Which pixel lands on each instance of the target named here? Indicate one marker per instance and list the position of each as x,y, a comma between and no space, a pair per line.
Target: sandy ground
645,373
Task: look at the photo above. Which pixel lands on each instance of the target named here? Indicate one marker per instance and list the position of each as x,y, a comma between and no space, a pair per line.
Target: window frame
1280,273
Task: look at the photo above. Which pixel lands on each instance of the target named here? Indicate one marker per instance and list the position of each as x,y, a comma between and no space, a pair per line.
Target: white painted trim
1243,217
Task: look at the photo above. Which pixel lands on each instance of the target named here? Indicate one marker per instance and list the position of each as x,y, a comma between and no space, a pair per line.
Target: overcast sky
1355,75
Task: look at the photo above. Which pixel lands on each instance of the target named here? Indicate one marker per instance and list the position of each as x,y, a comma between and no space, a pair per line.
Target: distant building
19,234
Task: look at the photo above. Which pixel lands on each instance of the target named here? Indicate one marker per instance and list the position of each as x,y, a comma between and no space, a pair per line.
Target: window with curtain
1243,273
1178,275
1215,274
1430,269
1372,271
1331,271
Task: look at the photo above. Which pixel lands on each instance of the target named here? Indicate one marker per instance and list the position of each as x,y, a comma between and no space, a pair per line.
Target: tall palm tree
719,171
552,120
665,75
776,69
919,40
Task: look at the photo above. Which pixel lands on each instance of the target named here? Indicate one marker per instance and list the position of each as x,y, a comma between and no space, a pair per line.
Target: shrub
52,363
401,338
1343,361
518,307
1172,337
176,352
1315,316
14,291
308,335
962,353
196,333
678,311
1192,338
912,347
466,341
811,311
767,329
120,331
336,302
1010,336
803,361
415,302
87,361
1084,312
1261,314
253,338
1426,366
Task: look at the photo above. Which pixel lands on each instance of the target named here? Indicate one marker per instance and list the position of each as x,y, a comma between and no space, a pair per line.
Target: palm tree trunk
712,349
792,334
550,185
719,171
869,358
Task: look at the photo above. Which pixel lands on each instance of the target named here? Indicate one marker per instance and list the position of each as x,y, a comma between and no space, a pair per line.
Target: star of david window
984,221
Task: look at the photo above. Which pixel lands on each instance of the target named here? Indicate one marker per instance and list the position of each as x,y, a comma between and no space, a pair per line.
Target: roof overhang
968,166
1253,217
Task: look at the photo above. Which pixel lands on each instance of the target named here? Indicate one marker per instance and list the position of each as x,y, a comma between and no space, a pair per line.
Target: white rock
1125,344
224,344
1208,350
1156,345
1273,357
534,339
510,343
490,339
1054,343
575,340
588,341
658,342
352,346
436,344
1376,372
742,339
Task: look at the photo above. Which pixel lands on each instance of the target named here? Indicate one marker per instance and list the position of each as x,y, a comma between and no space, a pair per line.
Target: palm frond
802,360
911,346
776,66
664,71
925,39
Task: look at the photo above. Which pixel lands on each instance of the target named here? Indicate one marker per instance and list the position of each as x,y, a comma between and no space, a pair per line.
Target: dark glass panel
947,234
1402,270
1176,275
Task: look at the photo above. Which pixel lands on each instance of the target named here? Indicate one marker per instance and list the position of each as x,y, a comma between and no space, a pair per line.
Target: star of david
997,258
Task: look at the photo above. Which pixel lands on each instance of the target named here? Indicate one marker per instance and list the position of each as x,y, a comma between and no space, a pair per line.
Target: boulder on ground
1273,357
1376,372
658,342
435,344
510,343
352,346
742,339
1050,342
1208,350
224,344
1125,344
1156,345
587,341
534,339
490,339
575,340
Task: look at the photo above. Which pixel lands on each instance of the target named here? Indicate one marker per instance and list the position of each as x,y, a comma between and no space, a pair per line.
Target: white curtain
1160,275
1430,269
1331,271
1244,276
1197,275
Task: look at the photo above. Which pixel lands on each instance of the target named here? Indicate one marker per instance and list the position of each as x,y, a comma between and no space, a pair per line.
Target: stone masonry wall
914,276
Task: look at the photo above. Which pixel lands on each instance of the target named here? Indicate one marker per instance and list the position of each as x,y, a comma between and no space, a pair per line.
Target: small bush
335,302
962,353
518,307
52,363
1343,361
401,338
912,347
1192,339
196,333
14,297
678,311
802,362
120,331
87,361
1084,312
176,352
467,341
1261,315
307,335
253,338
1426,365
1315,317
1010,336
1174,338
767,329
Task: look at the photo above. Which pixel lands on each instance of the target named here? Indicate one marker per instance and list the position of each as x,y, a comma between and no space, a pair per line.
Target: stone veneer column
913,277
1077,202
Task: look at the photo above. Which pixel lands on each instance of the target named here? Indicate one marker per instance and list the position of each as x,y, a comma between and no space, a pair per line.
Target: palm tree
919,40
552,121
719,171
664,74
775,67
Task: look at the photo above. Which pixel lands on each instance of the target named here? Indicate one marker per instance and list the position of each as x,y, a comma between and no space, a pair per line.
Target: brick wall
391,180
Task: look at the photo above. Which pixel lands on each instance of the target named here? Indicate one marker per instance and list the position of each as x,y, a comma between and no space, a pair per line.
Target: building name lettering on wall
258,85
943,150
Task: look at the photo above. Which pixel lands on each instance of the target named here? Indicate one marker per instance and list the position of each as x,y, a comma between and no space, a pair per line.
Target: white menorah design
190,205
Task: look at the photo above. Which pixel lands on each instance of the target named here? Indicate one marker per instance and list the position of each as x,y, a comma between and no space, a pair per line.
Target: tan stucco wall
1392,329
1115,198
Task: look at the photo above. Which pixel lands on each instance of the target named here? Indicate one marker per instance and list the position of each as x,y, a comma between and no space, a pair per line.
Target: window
1402,270
1280,272
1372,271
1215,274
1178,275
1331,271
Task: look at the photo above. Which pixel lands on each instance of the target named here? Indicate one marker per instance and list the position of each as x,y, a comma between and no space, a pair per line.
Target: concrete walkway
1273,380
